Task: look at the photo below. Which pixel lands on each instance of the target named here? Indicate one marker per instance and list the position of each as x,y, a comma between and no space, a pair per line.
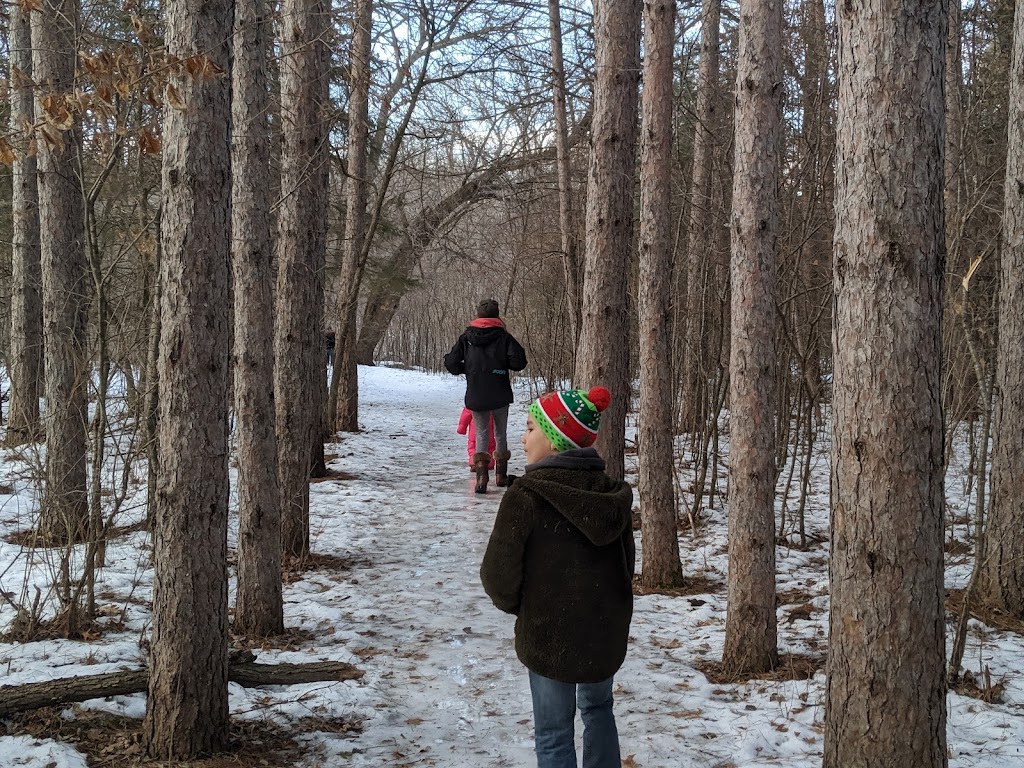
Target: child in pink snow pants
465,422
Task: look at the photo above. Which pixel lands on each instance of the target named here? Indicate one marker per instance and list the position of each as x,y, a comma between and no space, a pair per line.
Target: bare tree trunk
817,194
604,337
1003,569
750,628
187,706
886,619
343,403
26,356
566,220
701,240
62,257
259,610
661,566
298,339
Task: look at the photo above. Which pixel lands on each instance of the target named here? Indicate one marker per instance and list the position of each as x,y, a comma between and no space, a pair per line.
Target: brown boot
501,467
480,466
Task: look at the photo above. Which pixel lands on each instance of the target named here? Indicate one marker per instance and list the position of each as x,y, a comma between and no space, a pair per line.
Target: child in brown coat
561,558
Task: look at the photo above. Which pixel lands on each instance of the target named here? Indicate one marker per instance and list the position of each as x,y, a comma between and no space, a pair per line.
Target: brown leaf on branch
27,6
142,29
20,79
56,111
149,142
173,98
7,154
202,68
52,136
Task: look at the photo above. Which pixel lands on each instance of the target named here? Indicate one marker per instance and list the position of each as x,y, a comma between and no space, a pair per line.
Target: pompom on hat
570,418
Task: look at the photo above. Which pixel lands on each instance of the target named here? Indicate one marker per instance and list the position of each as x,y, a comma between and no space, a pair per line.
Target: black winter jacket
561,559
486,355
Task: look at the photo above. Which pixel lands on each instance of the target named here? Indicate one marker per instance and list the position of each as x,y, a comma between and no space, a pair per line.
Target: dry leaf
669,644
173,98
19,79
687,714
202,67
27,6
56,111
149,143
630,762
7,155
52,136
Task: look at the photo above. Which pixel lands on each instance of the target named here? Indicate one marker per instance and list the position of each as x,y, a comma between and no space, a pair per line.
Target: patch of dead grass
792,666
112,741
990,617
692,585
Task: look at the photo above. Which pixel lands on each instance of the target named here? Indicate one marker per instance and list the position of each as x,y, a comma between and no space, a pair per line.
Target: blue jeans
554,715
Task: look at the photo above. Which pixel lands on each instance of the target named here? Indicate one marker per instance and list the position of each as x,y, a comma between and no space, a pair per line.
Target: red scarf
487,322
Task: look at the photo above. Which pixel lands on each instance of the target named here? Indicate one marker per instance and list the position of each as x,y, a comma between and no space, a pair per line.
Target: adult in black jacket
561,558
486,352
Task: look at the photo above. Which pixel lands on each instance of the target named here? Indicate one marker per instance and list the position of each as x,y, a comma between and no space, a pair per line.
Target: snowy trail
400,536
443,682
442,677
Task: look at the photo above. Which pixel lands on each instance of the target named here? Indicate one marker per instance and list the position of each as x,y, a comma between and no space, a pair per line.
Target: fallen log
249,674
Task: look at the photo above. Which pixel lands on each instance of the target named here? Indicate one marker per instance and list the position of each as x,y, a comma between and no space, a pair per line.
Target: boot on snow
501,467
483,475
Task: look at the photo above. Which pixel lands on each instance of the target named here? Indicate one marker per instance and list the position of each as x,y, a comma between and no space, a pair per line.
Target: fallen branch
249,674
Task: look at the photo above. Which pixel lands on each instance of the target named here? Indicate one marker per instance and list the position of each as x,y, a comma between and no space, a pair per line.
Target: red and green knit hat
569,418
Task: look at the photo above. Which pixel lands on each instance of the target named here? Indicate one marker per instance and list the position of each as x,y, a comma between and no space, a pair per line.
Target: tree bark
187,706
343,403
886,619
259,610
750,628
62,258
26,357
659,527
301,255
704,217
604,336
566,219
1002,583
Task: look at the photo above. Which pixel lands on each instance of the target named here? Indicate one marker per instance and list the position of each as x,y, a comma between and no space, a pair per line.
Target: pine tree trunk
26,355
1002,582
259,610
661,566
298,339
65,287
817,194
701,240
885,697
604,337
187,706
750,628
343,407
566,220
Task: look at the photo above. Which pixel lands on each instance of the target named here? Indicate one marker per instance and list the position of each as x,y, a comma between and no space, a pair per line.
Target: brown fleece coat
561,559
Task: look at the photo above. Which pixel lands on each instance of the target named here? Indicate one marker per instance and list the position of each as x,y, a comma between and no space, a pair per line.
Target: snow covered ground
442,685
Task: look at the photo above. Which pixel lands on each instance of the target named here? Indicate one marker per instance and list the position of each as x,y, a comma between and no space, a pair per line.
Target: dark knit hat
487,308
570,418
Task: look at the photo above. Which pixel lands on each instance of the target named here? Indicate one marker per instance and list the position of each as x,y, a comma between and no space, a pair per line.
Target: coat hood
600,507
481,337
